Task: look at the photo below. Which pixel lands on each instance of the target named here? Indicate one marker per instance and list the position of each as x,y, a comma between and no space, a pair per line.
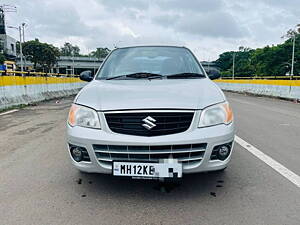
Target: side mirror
86,76
214,74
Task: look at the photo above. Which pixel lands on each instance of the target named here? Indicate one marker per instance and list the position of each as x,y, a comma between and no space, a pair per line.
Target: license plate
164,169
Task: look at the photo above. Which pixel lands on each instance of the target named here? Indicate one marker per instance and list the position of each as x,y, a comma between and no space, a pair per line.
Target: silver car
150,112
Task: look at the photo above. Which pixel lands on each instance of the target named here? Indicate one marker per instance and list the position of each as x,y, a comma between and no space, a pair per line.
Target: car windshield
151,60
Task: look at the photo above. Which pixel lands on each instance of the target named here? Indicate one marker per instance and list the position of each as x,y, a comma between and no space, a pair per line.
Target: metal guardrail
28,73
263,78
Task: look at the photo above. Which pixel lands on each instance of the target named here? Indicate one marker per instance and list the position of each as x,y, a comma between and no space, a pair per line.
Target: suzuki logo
149,123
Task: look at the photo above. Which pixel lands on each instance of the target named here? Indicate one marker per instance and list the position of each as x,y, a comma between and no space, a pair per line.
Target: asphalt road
38,185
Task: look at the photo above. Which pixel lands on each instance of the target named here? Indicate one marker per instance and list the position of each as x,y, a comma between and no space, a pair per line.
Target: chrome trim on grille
188,154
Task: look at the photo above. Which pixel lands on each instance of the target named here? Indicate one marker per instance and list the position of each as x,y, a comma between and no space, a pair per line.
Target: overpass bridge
70,65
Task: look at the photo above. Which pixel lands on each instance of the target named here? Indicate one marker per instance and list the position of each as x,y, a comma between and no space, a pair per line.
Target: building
7,43
8,46
75,65
209,66
68,64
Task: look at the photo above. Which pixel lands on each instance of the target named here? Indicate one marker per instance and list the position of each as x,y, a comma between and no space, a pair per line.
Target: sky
207,27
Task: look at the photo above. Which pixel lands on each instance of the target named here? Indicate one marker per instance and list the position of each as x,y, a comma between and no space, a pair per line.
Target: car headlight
216,114
83,116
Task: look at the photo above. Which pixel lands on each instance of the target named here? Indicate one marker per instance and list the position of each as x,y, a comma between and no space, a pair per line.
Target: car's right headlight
83,116
215,115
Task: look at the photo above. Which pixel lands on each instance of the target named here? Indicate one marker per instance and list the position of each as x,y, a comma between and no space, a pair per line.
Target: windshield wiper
185,75
140,75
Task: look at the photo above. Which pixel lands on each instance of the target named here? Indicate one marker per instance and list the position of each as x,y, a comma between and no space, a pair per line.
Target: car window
158,60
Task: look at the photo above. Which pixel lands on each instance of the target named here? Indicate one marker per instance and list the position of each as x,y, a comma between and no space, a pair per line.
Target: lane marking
8,112
288,174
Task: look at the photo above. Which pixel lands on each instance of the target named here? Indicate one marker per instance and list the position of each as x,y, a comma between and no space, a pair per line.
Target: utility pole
233,62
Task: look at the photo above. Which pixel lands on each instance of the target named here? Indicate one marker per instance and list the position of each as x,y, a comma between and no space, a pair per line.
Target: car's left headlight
83,116
215,115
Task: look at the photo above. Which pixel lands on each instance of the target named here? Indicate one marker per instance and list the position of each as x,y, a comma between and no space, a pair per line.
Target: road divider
277,88
20,90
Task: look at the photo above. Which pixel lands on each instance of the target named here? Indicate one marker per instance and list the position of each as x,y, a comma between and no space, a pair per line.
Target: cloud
196,6
208,27
212,25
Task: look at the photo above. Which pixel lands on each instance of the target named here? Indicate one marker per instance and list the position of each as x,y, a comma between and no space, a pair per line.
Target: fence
17,88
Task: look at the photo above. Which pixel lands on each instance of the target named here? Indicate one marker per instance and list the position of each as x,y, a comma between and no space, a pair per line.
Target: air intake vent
149,123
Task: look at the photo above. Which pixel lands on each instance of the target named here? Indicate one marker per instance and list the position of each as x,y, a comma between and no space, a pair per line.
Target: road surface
38,185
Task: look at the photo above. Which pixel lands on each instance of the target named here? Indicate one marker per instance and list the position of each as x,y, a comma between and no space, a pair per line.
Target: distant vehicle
10,65
150,112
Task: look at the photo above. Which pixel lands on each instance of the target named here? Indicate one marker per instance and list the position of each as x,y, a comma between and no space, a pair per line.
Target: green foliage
2,58
267,61
44,56
69,50
243,65
100,53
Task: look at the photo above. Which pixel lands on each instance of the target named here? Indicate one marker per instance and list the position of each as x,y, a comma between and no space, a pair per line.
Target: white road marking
8,112
288,174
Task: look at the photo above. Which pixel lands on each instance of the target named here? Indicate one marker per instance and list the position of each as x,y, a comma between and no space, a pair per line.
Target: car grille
187,154
166,123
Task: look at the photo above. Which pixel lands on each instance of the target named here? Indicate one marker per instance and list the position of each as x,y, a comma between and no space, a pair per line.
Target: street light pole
94,66
21,51
23,31
233,62
293,55
73,70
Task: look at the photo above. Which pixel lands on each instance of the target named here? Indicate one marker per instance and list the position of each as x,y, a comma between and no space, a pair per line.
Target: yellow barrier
264,82
262,77
18,80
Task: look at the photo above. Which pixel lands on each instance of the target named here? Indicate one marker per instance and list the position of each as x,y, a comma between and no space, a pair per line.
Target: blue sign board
2,67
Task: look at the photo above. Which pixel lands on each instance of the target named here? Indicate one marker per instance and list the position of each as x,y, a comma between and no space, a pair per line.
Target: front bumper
212,136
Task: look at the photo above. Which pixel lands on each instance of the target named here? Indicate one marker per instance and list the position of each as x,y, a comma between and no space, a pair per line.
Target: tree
100,53
42,55
273,60
242,62
2,58
69,50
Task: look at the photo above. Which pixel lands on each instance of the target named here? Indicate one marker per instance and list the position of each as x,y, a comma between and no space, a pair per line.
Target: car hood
107,95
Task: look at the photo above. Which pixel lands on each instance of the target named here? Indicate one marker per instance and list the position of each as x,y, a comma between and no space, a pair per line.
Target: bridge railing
261,78
29,73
